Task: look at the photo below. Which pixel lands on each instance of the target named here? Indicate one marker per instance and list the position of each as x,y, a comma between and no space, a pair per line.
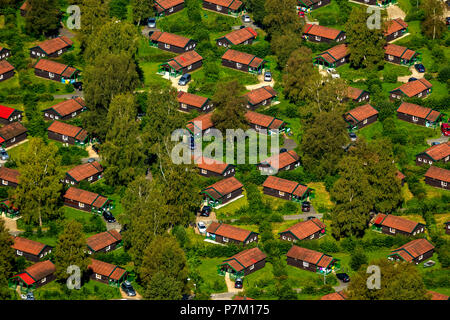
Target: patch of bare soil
261,83
395,12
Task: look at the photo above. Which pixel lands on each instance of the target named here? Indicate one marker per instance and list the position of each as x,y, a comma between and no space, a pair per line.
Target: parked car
192,143
78,85
429,263
412,79
267,76
185,78
96,147
201,227
310,218
435,143
352,136
332,72
241,27
343,277
206,211
246,18
283,150
3,154
419,67
238,283
109,217
28,296
306,206
128,288
151,22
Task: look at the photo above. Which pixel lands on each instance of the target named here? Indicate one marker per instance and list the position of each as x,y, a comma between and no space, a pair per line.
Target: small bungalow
4,53
361,116
201,124
242,298
240,36
262,96
52,48
447,227
167,7
437,296
8,115
243,61
104,241
357,95
316,33
414,251
65,110
86,200
416,114
34,276
288,160
400,176
304,230
309,5
436,153
400,55
24,8
225,233
55,71
260,122
286,189
231,7
311,260
184,63
90,171
29,249
438,177
209,167
189,101
393,225
6,70
334,57
8,208
223,191
395,29
67,133
243,263
419,88
339,295
171,42
12,133
9,177
106,273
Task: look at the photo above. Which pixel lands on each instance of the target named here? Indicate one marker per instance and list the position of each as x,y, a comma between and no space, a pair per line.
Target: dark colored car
306,206
412,79
192,144
343,277
128,288
419,67
109,217
238,283
78,85
310,218
206,211
283,150
434,143
352,136
184,80
95,147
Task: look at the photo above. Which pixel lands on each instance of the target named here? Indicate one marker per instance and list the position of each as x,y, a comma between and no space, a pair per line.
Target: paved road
441,139
289,144
303,216
341,286
69,95
222,296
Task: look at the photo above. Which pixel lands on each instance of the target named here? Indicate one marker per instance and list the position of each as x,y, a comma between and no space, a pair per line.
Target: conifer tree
6,260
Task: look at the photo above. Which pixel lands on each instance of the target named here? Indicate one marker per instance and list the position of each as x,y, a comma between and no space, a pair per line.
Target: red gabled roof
41,269
395,25
438,174
101,240
321,31
202,122
11,130
54,67
399,51
258,95
439,151
229,231
191,99
209,164
310,256
418,111
263,120
437,296
184,60
354,93
340,295
106,269
305,229
245,258
284,159
170,38
223,187
66,107
241,35
414,87
232,4
336,53
5,67
280,184
53,45
28,246
68,130
8,174
396,222
86,197
242,57
362,112
414,249
166,4
5,112
85,170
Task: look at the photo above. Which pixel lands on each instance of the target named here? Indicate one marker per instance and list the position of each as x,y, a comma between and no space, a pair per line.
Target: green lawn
212,280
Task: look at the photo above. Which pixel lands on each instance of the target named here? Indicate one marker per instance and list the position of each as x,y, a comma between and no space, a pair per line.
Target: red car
445,129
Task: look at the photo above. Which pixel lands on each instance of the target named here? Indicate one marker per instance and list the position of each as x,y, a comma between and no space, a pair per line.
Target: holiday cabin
24,8
316,33
65,110
168,7
55,71
35,276
184,63
400,55
309,5
8,115
438,296
231,7
171,42
334,57
30,250
288,160
361,116
8,208
339,295
225,233
90,172
240,36
311,260
260,122
200,125
419,88
4,53
209,167
243,263
242,61
262,96
286,189
52,48
104,241
223,191
6,70
400,176
414,251
12,133
86,200
438,177
106,273
357,95
189,101
394,225
67,133
416,114
436,153
395,29
304,230
9,177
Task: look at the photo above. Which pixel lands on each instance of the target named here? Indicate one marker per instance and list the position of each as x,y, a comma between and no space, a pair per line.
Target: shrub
389,76
357,259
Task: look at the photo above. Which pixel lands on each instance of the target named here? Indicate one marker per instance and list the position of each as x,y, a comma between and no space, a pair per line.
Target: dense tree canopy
6,260
42,17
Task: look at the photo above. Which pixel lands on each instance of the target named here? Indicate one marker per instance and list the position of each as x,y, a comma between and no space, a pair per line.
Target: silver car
201,227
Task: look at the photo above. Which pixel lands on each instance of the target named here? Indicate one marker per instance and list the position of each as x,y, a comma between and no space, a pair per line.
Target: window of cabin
281,193
81,205
287,168
390,57
171,9
1,76
56,117
318,38
365,121
305,264
415,119
238,65
65,138
90,178
60,51
167,46
74,114
420,94
219,7
4,182
46,114
51,74
43,280
391,230
13,139
419,159
443,183
97,276
189,67
225,239
108,248
283,237
183,105
252,267
229,196
19,253
204,171
421,257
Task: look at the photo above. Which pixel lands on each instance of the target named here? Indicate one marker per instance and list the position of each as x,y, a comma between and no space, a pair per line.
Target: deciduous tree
6,260
42,17
433,26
